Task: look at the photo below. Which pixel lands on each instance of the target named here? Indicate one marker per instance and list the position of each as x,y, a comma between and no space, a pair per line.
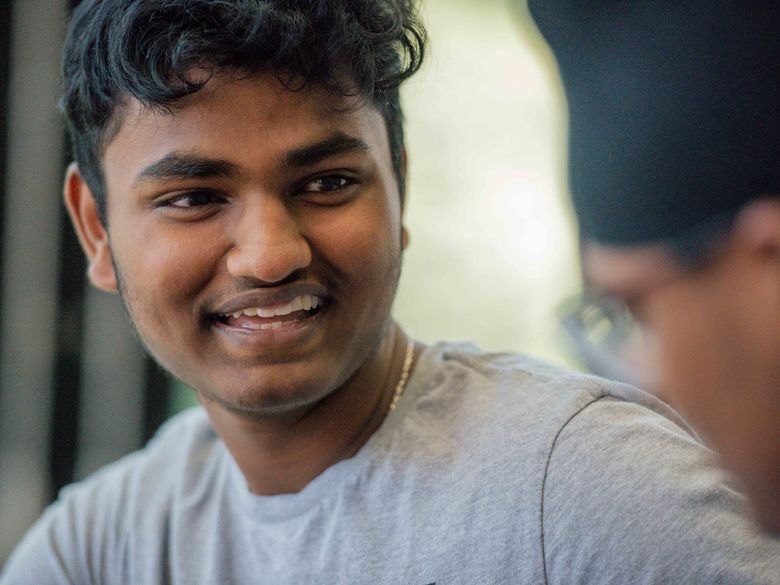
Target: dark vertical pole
156,397
67,396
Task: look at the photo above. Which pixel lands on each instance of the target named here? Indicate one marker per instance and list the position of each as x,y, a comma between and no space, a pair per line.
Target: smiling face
255,235
716,348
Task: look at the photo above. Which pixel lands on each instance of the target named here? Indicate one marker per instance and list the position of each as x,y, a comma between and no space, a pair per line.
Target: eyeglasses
605,334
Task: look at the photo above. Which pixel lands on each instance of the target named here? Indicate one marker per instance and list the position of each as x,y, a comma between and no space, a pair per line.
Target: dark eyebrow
338,143
185,166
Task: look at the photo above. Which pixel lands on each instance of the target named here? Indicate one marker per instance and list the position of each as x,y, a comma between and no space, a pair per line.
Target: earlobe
404,238
91,233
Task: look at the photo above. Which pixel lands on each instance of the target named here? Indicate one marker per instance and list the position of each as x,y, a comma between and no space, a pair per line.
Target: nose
268,243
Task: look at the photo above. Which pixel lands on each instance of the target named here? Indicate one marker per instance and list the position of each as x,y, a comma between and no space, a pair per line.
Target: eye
192,200
328,184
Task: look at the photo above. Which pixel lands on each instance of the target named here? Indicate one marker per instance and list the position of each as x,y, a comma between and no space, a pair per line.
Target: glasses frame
693,250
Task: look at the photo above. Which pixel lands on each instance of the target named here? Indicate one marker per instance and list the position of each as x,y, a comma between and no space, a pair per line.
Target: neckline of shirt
332,481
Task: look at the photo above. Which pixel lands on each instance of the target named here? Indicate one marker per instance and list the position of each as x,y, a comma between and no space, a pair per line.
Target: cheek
161,270
693,354
364,245
710,361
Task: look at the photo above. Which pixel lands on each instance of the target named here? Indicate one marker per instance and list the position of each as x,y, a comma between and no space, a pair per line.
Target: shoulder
522,391
512,414
624,490
642,496
179,450
87,528
183,452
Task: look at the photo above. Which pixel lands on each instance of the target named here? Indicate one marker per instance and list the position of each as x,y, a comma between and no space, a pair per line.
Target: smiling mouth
273,317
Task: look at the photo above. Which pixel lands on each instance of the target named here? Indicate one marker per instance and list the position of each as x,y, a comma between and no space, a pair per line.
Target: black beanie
674,110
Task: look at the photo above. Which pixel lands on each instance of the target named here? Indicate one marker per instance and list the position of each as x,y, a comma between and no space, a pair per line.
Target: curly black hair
148,49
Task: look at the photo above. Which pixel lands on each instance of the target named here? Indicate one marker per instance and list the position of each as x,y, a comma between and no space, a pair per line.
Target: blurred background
492,255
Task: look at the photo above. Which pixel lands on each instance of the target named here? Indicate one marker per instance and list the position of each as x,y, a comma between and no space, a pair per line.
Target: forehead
242,119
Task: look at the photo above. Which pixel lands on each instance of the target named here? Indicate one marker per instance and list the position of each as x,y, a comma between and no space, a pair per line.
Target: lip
294,333
268,298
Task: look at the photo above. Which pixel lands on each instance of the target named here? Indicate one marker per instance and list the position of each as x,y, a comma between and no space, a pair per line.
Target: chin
267,400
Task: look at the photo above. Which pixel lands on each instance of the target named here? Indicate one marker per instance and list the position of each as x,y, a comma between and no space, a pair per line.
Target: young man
675,175
239,181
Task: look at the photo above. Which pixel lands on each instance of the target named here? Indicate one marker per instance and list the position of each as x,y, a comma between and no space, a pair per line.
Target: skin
716,342
249,195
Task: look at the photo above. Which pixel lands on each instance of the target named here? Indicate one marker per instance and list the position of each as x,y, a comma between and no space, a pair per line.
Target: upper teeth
303,302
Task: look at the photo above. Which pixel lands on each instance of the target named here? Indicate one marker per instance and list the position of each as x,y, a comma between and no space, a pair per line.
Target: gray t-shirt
494,468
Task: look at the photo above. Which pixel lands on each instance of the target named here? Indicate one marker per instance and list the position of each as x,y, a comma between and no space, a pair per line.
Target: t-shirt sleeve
631,497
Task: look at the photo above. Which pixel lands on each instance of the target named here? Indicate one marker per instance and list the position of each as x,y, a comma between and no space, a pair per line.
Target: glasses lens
603,329
605,322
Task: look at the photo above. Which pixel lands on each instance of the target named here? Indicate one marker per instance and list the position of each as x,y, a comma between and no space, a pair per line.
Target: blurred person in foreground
239,181
675,176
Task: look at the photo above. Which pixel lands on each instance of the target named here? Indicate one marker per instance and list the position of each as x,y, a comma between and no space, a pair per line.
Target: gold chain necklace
399,388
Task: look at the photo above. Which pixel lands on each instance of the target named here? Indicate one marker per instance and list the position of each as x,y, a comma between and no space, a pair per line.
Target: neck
282,455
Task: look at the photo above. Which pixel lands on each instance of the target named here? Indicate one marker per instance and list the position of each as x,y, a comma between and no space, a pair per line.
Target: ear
92,235
757,230
753,249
